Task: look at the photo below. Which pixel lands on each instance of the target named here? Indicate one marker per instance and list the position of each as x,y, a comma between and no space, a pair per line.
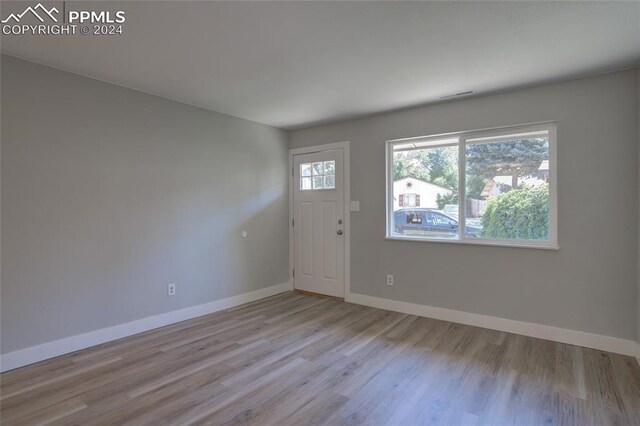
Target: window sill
554,247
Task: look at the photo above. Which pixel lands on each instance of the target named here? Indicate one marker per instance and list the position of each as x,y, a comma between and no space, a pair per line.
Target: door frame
344,146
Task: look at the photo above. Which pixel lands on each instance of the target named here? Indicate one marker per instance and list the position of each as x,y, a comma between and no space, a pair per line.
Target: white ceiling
294,64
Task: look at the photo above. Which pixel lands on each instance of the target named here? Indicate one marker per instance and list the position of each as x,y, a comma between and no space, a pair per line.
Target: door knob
339,231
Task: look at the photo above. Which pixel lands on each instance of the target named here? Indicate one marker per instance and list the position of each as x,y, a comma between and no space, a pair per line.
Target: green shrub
443,200
521,213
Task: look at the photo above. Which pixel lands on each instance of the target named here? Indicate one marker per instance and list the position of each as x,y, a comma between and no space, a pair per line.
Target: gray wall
108,194
589,284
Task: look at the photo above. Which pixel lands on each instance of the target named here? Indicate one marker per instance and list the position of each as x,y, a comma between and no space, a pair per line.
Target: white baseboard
563,335
67,345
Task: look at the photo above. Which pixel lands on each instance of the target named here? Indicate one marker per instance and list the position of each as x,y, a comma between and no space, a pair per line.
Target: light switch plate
355,206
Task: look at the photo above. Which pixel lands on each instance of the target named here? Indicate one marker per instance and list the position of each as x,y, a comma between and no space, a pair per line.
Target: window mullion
461,188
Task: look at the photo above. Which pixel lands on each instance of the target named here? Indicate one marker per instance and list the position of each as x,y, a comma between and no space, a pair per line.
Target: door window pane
305,183
305,170
329,181
329,167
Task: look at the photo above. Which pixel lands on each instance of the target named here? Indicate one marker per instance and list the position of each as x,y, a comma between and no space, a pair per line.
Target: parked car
430,223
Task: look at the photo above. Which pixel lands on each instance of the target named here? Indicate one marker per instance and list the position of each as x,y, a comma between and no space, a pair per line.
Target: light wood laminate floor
295,359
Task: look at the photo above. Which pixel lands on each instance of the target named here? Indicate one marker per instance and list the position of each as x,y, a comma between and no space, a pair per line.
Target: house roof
424,181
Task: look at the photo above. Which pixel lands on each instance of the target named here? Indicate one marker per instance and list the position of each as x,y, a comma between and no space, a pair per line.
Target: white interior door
318,227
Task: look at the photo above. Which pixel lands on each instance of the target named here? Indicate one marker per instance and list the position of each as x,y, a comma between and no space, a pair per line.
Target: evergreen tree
515,158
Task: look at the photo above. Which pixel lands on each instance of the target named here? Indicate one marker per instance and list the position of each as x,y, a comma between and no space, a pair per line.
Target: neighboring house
492,188
412,192
543,170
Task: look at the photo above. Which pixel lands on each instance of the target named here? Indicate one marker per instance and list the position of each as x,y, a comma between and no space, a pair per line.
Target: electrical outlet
171,289
389,279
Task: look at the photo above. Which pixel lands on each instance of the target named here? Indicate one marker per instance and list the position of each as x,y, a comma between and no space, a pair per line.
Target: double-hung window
492,187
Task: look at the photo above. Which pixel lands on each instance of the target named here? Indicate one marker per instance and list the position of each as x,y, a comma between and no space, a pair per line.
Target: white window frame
460,139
